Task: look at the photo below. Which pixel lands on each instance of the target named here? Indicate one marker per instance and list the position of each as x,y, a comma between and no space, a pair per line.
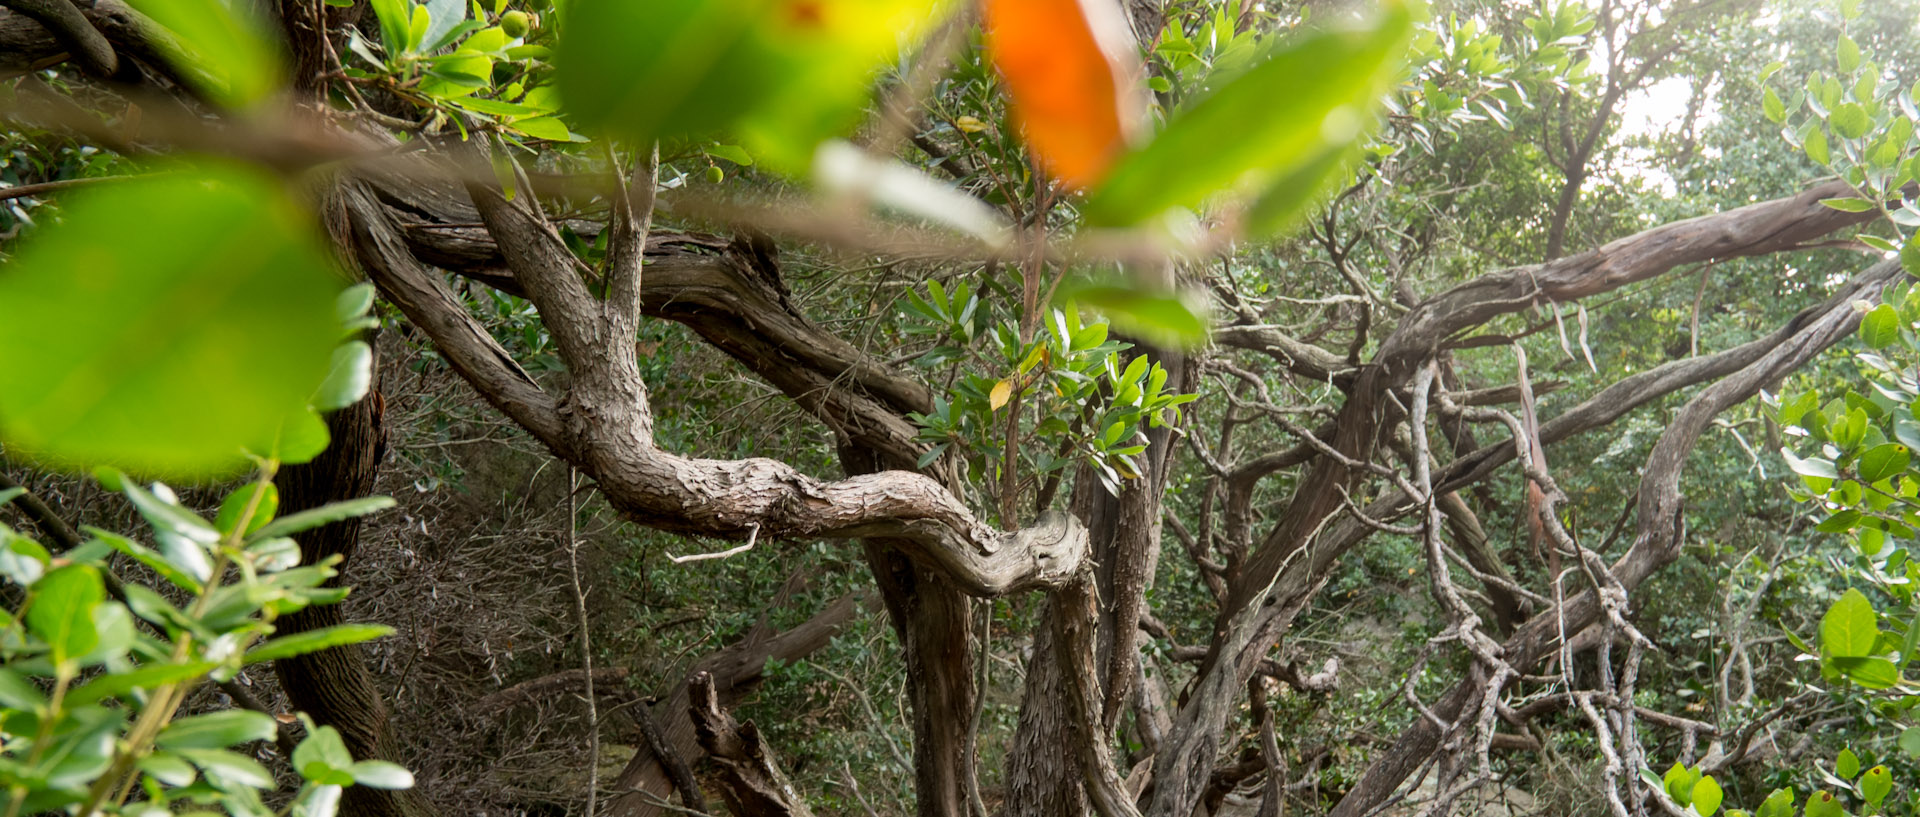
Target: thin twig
586,643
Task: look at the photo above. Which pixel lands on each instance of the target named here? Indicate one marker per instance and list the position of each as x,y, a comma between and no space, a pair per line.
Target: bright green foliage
85,744
1065,396
195,335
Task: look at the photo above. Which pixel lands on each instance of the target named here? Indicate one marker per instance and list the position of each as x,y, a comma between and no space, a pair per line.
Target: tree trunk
333,686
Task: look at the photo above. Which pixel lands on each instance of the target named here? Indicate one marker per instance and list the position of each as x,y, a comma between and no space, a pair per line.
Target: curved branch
87,45
1656,544
602,427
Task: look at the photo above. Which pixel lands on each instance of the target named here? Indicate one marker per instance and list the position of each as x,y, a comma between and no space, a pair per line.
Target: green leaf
115,684
444,17
159,564
1846,764
1847,53
1850,120
168,768
1778,804
1848,205
1823,804
1308,98
1910,255
1679,782
1849,628
224,49
1876,785
1168,319
316,640
1871,673
217,730
347,379
22,560
1772,107
236,504
61,611
1706,797
332,512
323,757
549,128
1811,466
732,153
1816,147
194,311
1883,461
18,693
395,22
1910,741
783,75
316,801
380,774
229,767
1880,326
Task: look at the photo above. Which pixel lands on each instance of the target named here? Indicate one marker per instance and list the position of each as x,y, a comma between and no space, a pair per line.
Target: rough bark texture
333,685
751,780
646,781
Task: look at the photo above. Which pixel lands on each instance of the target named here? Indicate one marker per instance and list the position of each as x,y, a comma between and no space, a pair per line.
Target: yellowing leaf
969,124
1002,392
1073,75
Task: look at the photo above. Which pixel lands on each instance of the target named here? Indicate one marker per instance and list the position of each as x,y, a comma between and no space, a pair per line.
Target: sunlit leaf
1849,628
1002,392
1072,73
194,314
1706,797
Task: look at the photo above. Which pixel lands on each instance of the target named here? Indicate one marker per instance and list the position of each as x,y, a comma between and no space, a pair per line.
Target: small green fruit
515,23
715,174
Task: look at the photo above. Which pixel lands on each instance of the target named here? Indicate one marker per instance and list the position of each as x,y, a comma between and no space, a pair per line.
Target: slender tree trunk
333,686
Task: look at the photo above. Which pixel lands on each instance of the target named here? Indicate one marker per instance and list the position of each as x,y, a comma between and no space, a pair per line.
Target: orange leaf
1073,75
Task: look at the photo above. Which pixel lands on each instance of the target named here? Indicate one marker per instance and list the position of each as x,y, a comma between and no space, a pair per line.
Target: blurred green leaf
236,504
228,766
348,379
194,312
223,48
1270,125
1884,460
380,774
1168,319
781,74
217,730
